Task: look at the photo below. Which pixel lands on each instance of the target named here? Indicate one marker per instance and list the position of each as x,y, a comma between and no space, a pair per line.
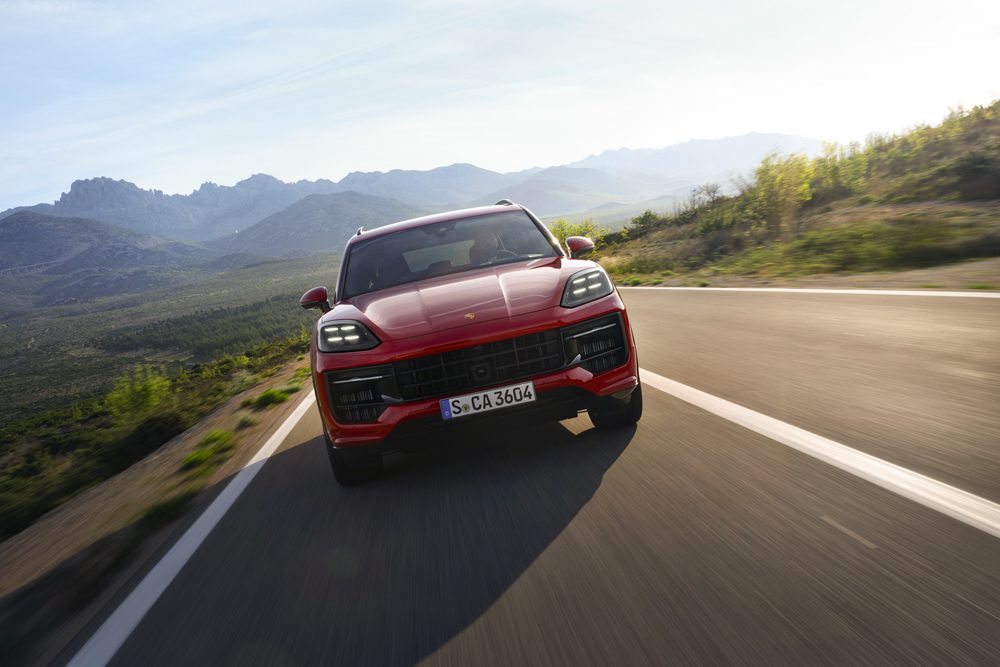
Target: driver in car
484,247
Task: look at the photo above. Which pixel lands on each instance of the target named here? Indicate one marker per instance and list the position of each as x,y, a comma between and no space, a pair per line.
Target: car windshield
442,248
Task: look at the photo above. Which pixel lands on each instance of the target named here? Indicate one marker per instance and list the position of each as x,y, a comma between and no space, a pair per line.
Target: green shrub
644,264
119,453
167,510
270,397
138,393
216,439
196,458
209,451
246,421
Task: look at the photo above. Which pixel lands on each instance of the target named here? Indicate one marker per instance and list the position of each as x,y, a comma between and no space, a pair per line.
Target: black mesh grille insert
479,366
600,342
356,394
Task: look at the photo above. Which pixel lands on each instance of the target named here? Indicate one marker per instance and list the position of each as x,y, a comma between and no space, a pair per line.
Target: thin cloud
173,94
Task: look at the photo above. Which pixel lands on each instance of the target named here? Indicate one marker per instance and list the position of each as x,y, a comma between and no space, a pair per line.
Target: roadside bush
246,421
270,397
643,264
869,246
211,450
138,393
978,174
167,510
147,437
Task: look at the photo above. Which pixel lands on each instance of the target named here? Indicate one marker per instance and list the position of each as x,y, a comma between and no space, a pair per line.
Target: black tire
616,413
352,474
356,472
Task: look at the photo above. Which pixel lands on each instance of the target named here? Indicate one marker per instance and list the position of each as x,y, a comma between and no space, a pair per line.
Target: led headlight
346,336
585,286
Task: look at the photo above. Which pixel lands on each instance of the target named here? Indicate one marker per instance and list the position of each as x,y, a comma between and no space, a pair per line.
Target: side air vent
600,342
358,395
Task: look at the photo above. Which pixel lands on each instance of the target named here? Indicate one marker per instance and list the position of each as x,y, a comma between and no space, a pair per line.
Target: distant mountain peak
259,182
100,182
206,187
101,193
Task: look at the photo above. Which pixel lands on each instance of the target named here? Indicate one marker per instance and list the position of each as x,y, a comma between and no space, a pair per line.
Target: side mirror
579,246
317,297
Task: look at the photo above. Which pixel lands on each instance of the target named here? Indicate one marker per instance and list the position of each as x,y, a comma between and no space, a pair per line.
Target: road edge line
103,644
815,290
966,507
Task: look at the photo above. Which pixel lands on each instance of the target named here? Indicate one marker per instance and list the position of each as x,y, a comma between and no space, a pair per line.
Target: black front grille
599,342
360,395
479,366
357,394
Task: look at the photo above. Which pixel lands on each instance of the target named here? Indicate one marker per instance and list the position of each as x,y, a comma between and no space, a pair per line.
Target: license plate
484,401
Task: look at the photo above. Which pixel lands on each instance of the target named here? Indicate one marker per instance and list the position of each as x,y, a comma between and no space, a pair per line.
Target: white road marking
807,290
850,533
103,645
966,507
962,505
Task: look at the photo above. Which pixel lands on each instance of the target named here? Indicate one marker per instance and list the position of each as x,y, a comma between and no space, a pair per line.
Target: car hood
461,299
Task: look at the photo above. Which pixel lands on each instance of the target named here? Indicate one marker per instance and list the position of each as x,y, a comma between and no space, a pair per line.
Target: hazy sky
172,94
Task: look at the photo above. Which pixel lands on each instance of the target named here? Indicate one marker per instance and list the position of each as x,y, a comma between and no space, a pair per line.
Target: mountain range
33,242
315,225
624,176
75,259
208,212
103,225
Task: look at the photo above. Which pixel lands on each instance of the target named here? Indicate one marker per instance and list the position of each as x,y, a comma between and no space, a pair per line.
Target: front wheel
614,413
355,472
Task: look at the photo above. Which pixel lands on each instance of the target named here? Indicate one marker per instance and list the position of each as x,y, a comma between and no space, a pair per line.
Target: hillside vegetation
47,458
925,197
64,245
94,387
61,354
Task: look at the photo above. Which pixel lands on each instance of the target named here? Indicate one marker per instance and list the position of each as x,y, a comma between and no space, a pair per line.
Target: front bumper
562,392
418,431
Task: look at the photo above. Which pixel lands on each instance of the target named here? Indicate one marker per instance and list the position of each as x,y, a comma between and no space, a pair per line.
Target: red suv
472,318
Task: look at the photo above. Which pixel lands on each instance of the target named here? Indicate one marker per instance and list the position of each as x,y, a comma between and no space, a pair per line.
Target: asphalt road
688,539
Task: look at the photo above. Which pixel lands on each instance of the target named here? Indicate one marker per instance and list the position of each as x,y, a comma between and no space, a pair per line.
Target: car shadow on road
386,573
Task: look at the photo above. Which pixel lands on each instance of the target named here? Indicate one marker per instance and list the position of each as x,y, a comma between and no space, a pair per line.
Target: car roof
394,227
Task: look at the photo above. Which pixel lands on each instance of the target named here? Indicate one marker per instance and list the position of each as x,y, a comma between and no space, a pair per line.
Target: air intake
357,395
600,342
